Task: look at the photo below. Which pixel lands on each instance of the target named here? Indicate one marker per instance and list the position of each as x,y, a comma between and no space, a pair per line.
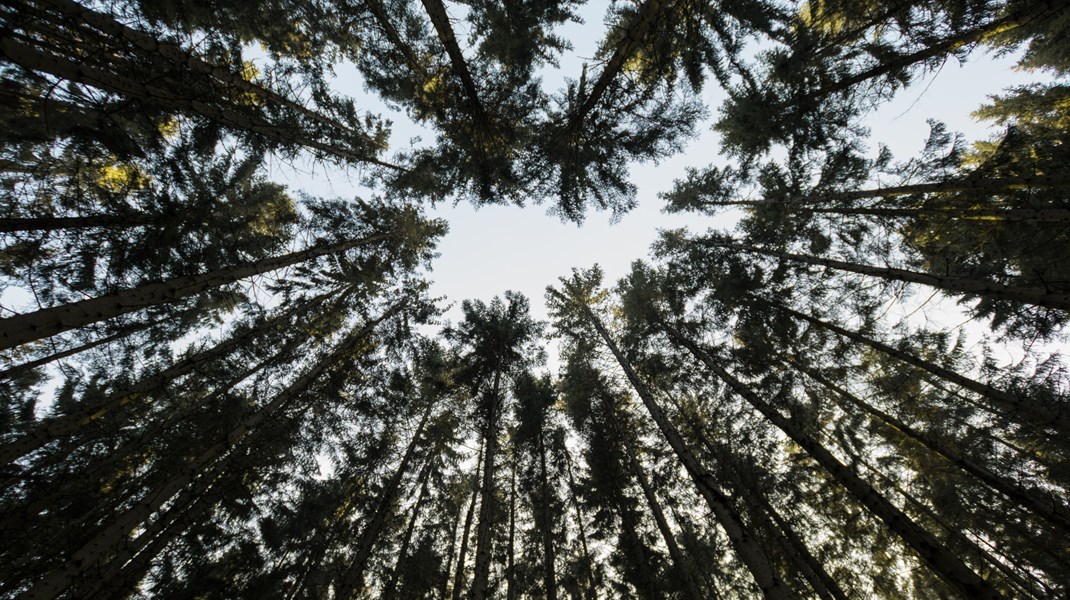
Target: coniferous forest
215,385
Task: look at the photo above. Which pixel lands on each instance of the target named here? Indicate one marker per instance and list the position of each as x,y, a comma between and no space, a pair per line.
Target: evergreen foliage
212,386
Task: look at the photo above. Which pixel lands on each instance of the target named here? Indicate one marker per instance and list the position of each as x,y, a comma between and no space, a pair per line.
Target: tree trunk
458,581
636,31
1030,412
436,12
690,586
548,559
352,582
112,535
482,567
11,372
10,225
510,569
392,585
928,547
592,591
942,48
29,327
1034,500
65,425
746,547
951,284
60,66
1050,215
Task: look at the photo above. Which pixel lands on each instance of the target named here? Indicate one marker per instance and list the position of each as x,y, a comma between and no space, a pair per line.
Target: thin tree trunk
486,505
57,580
65,425
1044,415
645,16
462,555
746,547
510,569
1051,215
592,592
11,225
928,547
984,186
548,559
951,284
444,582
690,585
59,66
436,12
942,48
1031,499
352,582
403,552
29,327
11,372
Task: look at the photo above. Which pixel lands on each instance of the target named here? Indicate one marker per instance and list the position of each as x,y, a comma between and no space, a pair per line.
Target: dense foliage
214,387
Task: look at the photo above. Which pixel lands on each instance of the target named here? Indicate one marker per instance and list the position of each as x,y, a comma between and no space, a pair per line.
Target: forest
216,385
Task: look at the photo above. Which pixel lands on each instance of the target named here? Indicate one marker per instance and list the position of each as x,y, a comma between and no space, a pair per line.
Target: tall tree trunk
65,425
444,581
942,48
928,547
980,186
436,12
690,585
60,66
1030,498
548,559
29,327
510,569
746,547
110,536
1051,215
592,591
352,581
74,12
11,225
406,540
1030,412
950,284
458,580
645,16
486,505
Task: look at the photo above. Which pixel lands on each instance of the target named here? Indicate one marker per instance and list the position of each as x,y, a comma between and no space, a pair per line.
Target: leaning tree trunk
592,591
1031,412
691,589
1031,499
945,47
1047,215
352,581
746,547
29,327
13,225
406,541
950,284
458,581
928,547
65,425
59,579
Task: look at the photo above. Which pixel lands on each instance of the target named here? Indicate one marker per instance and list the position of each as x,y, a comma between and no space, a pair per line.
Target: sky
491,249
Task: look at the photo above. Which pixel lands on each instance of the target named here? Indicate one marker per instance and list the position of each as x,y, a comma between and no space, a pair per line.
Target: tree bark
458,581
352,582
592,592
59,579
29,327
11,225
403,551
11,372
1032,413
746,547
954,285
65,425
548,559
1031,499
691,589
482,567
928,547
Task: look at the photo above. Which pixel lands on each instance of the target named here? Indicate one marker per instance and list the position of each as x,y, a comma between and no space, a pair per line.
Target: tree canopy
215,386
